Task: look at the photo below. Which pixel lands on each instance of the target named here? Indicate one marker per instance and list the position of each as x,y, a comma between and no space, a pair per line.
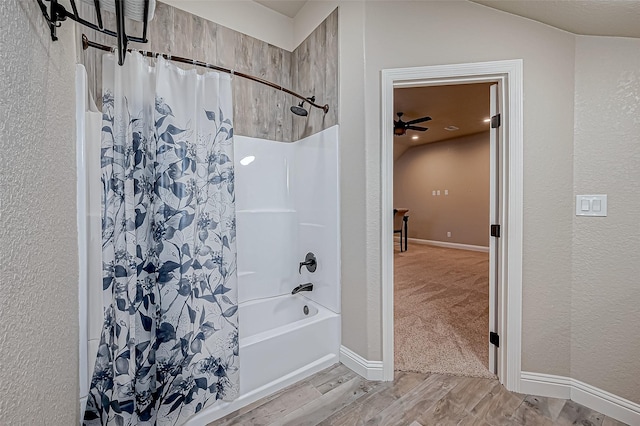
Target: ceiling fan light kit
400,127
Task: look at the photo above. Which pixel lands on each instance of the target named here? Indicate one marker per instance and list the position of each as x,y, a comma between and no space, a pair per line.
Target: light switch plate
591,205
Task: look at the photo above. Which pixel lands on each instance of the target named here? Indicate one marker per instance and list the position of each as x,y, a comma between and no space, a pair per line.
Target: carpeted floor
441,304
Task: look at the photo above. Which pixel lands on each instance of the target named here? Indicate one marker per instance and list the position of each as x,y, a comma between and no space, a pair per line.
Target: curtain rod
86,43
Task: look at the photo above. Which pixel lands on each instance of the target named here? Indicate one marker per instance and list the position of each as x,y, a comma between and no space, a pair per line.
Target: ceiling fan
400,127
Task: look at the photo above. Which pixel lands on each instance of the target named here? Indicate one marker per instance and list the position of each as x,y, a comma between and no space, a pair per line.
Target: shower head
299,110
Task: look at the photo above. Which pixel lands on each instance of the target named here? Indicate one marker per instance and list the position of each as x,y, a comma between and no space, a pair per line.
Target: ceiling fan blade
419,120
420,129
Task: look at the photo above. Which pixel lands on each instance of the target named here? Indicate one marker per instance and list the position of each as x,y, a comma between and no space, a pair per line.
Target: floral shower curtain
169,342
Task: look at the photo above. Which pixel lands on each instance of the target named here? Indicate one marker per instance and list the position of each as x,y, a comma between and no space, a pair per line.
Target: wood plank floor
338,396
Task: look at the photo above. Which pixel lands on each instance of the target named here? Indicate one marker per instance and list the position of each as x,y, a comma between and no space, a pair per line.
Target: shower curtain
169,343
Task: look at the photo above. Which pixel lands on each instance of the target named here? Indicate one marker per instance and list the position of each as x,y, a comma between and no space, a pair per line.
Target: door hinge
495,121
494,339
495,231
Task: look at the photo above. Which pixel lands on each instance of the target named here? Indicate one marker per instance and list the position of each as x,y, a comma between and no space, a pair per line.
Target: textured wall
259,111
606,250
404,34
360,306
38,241
460,166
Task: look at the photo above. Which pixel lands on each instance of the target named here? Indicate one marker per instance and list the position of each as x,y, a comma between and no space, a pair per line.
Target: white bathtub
279,345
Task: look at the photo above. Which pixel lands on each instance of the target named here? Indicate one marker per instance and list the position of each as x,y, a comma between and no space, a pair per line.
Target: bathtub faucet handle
302,287
309,262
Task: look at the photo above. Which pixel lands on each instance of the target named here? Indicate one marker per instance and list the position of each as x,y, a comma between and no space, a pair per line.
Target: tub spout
302,287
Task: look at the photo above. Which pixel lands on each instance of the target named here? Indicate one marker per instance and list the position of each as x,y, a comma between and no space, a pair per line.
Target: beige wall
361,328
461,166
38,241
579,273
404,34
605,349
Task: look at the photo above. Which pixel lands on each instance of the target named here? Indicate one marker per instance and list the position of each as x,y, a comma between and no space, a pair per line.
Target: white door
494,215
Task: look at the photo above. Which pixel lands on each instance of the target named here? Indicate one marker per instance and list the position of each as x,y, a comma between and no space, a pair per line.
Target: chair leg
406,234
400,241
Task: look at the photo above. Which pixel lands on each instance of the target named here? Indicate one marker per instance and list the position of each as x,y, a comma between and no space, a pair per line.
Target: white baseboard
458,246
597,399
545,385
370,370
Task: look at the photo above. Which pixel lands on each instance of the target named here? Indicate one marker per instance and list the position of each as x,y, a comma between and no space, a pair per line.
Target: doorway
442,183
508,258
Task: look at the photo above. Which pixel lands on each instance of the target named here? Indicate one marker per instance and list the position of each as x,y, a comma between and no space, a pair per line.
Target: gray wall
259,111
605,306
461,166
38,241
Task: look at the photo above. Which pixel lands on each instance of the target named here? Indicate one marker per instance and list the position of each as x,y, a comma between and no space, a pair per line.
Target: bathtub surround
259,111
88,125
38,239
287,199
287,205
263,112
168,247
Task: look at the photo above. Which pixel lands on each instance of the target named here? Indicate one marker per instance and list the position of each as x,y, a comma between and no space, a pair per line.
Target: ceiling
288,8
616,18
464,106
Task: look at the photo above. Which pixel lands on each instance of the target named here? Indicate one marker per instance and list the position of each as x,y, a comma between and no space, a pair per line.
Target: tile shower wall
287,205
259,111
314,67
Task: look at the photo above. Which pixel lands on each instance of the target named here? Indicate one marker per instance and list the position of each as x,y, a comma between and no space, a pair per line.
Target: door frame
508,74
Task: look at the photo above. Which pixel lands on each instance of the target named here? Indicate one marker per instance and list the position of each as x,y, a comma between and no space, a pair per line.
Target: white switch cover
433,192
438,192
591,205
446,192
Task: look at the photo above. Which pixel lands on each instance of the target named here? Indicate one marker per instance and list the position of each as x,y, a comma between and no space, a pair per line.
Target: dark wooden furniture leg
406,235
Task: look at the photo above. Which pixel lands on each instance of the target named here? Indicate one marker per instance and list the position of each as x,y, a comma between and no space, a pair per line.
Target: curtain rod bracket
57,13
